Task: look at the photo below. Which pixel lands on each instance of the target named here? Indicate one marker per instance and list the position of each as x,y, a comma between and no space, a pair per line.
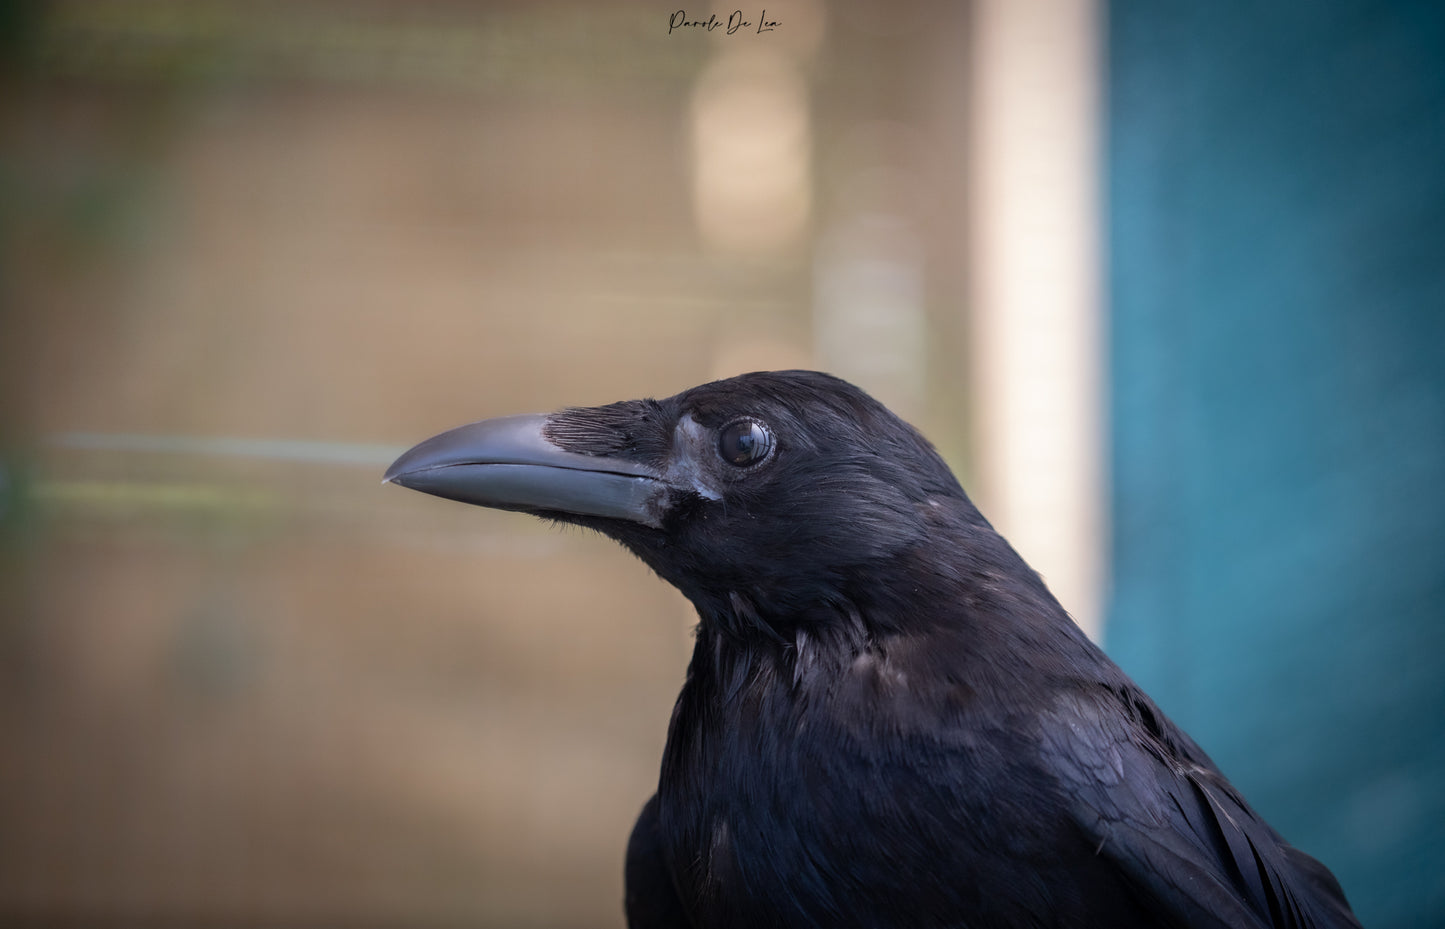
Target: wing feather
1178,831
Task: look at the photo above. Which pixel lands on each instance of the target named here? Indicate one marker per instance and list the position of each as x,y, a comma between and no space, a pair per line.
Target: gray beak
508,464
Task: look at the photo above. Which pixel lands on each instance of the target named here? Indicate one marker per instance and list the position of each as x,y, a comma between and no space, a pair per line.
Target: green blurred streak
126,500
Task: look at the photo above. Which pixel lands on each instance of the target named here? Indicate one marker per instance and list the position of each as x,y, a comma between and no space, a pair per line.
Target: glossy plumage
888,720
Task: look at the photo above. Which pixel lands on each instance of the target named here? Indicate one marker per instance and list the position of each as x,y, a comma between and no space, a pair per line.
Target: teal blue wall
1277,202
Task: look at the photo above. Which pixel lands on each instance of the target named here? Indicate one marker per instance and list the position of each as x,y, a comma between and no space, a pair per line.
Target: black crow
888,720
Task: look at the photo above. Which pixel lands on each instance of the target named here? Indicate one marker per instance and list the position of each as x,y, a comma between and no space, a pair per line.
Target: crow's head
764,498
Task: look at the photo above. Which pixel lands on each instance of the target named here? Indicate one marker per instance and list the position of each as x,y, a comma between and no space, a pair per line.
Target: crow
887,720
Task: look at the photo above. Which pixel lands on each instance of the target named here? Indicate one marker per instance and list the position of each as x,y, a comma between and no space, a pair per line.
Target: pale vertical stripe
1036,300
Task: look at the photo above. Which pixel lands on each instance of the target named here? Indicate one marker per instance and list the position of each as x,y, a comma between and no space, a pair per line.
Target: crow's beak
508,464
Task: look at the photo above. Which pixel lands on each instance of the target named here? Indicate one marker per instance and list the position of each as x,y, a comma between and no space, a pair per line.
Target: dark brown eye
745,442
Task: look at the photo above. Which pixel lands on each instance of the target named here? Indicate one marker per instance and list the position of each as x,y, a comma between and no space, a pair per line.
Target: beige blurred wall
252,249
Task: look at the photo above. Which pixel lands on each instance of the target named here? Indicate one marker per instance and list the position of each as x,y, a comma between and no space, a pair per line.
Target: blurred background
1163,283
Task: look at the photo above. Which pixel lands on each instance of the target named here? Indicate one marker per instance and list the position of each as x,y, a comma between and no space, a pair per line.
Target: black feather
888,719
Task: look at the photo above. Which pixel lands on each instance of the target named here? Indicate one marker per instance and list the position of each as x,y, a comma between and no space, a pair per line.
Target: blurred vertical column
752,134
752,153
1035,292
874,268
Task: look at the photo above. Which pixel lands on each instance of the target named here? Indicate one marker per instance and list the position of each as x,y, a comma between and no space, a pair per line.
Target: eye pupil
745,442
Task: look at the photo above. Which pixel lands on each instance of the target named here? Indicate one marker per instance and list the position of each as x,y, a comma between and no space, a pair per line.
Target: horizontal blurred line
310,452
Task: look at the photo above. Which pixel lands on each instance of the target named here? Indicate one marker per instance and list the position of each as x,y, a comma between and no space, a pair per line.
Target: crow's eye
745,442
